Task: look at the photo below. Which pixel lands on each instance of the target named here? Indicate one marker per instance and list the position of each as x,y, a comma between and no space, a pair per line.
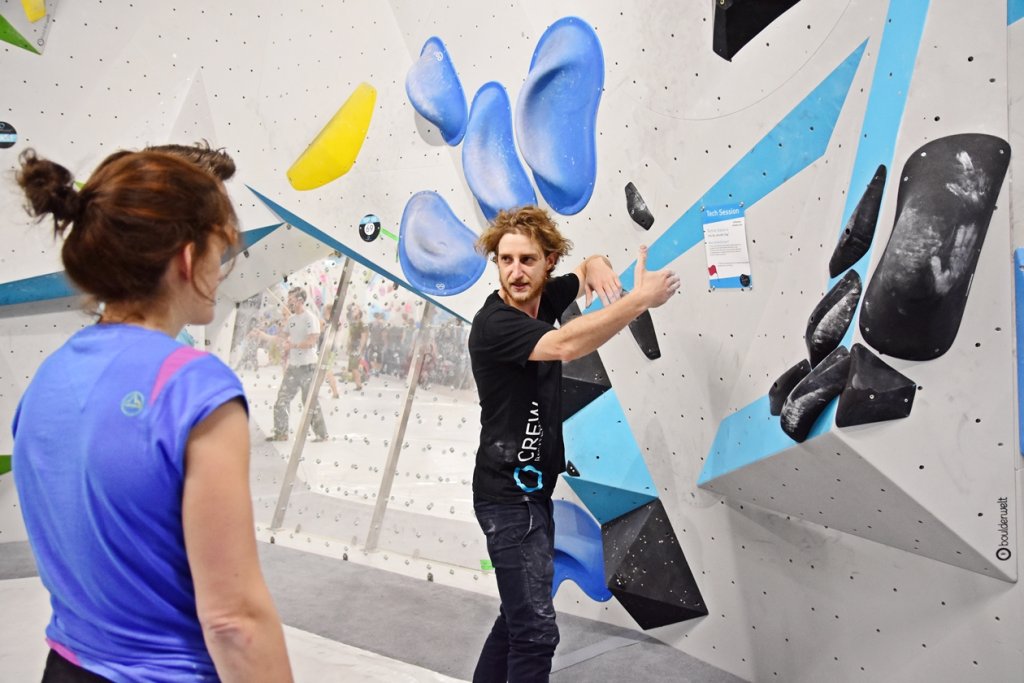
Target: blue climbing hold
489,158
435,91
579,551
556,114
436,250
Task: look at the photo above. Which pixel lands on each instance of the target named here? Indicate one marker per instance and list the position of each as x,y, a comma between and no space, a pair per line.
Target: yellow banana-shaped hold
334,150
34,9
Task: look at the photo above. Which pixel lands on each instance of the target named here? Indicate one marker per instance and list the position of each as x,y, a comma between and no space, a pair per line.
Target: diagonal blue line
791,146
752,433
57,286
316,233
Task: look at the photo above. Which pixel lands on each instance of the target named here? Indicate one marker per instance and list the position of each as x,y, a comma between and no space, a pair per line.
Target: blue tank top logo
529,468
133,403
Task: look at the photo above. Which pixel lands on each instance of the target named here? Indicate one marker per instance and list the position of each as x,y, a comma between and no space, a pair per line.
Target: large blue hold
435,91
556,114
489,158
437,251
579,551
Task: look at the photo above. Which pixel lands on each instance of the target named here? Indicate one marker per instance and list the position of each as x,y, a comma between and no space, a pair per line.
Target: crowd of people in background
372,340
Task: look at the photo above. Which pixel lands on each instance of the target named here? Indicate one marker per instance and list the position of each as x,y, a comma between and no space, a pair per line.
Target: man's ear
552,260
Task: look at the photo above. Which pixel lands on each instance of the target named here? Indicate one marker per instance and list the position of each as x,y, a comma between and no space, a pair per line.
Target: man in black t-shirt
516,355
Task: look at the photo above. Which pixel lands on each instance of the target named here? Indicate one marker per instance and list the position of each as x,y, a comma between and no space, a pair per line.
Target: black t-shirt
521,452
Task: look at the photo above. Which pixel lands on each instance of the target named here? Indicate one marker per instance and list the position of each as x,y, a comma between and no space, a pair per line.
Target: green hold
5,464
9,34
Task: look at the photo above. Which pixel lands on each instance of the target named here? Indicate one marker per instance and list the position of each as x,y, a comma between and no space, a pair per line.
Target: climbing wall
800,546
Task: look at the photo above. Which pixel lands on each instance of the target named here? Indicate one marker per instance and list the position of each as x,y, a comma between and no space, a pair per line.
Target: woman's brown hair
133,215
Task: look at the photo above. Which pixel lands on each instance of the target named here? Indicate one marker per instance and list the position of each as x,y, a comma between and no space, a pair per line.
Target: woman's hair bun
50,189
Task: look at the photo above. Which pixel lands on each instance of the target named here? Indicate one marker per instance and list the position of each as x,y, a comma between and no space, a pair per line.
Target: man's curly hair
531,221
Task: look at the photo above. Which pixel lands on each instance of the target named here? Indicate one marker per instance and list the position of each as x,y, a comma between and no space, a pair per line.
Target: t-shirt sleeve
196,390
509,336
562,292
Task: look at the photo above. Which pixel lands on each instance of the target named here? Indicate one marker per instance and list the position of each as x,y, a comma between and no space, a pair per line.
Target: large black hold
738,21
916,297
860,228
646,569
832,317
583,379
784,385
874,391
809,398
637,207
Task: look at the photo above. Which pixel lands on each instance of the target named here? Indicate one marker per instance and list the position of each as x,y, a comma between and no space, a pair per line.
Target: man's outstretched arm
588,332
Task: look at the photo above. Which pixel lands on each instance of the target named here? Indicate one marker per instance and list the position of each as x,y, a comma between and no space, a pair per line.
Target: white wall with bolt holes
791,597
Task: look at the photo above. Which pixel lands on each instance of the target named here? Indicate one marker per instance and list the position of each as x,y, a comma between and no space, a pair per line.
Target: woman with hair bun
131,451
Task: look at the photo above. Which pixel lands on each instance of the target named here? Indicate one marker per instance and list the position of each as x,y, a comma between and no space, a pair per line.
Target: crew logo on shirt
133,403
528,476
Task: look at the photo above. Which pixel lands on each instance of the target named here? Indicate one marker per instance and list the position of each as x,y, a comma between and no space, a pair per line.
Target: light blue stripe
727,283
791,146
314,232
1014,11
1018,282
751,433
38,288
886,102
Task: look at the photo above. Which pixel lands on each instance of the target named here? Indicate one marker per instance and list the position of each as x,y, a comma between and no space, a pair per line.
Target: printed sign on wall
725,243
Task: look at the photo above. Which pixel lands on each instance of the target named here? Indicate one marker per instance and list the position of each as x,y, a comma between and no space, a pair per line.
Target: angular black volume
784,385
832,317
738,21
809,398
646,569
874,391
637,207
583,379
860,229
916,297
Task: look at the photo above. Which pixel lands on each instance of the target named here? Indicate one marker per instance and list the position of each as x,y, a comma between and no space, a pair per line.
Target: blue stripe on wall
317,234
751,433
791,146
1018,284
1014,11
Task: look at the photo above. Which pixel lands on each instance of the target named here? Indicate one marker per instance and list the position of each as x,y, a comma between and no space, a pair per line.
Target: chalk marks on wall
556,114
435,91
493,171
916,297
737,22
832,317
334,150
813,393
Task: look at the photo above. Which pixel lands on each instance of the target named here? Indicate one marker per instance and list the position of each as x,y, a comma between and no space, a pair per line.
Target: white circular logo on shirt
133,403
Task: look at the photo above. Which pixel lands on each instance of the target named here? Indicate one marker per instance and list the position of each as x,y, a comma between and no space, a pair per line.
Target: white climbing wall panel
797,587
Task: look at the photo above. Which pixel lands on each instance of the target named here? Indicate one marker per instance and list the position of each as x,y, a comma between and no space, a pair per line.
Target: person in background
302,330
357,336
325,324
516,355
131,451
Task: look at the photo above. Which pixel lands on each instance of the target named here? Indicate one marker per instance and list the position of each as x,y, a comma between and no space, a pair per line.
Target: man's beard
529,295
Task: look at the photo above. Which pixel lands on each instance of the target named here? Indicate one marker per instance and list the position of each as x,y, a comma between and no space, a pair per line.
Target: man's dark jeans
521,544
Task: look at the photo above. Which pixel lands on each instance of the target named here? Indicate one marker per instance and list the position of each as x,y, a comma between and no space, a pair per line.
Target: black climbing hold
784,384
874,391
571,469
738,21
583,379
810,396
832,317
646,569
637,207
860,228
916,297
646,338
